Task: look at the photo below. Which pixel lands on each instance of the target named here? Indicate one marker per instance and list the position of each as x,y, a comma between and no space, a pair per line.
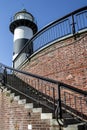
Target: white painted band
23,32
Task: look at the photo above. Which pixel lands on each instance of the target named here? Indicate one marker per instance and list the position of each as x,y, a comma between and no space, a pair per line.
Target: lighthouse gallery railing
66,26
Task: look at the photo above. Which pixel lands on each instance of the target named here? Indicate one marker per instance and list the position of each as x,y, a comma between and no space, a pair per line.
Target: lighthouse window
27,16
23,16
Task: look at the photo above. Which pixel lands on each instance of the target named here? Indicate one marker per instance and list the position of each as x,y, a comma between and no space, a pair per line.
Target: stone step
1,87
8,92
16,98
53,122
28,105
46,116
5,90
22,101
36,110
12,95
0,90
79,126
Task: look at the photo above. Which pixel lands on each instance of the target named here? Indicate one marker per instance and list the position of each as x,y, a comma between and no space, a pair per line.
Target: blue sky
44,11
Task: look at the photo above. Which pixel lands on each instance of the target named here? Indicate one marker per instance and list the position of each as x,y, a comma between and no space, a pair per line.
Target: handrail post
4,76
73,26
54,100
59,100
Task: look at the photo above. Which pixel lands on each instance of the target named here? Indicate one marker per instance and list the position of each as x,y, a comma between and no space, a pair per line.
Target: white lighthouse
23,27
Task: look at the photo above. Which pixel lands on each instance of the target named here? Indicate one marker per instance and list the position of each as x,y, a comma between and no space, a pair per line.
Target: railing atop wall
54,95
66,26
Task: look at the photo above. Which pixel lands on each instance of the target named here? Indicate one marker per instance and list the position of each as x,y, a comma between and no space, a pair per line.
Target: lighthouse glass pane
24,16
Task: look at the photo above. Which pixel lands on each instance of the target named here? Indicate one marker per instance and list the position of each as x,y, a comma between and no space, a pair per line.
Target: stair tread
46,115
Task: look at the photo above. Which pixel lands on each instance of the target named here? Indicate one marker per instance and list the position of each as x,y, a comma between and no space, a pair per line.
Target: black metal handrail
68,25
50,93
61,84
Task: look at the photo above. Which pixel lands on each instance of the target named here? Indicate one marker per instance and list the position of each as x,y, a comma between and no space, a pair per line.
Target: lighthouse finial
23,6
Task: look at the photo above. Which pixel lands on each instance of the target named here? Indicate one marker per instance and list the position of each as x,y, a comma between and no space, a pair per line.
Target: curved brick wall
65,61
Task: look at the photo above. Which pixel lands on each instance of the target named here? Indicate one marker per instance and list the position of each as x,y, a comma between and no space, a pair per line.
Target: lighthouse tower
23,28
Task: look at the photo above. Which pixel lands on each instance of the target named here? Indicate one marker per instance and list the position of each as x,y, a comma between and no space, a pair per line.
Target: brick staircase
26,107
31,116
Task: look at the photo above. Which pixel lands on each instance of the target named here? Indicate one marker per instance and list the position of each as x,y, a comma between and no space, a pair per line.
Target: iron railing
56,96
66,26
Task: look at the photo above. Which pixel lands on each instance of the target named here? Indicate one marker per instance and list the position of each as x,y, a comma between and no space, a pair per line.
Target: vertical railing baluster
54,100
64,97
75,101
38,84
73,26
5,76
35,84
59,98
81,105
